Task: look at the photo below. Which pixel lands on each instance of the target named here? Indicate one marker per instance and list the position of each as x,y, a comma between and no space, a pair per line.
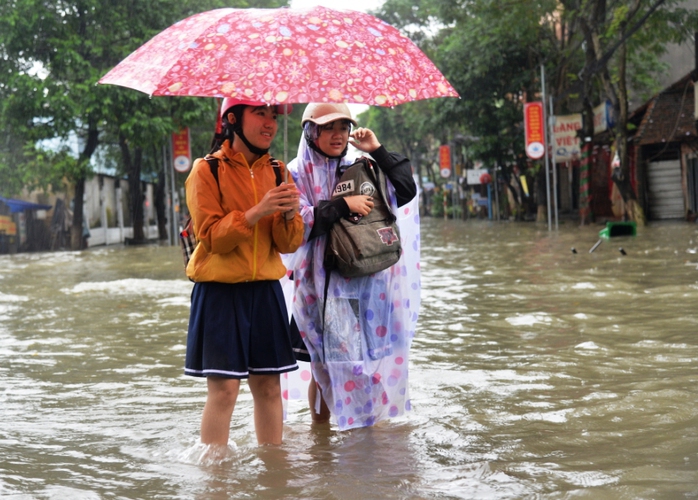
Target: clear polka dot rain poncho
360,352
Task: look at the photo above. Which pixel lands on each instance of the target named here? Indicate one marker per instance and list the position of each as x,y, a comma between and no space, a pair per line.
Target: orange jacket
230,250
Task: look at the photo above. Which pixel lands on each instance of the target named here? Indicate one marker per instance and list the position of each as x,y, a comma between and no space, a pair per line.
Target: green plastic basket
614,229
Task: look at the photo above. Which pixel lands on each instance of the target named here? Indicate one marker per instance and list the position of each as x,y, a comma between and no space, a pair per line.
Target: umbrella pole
286,142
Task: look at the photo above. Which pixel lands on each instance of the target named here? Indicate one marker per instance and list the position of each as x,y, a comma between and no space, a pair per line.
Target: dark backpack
187,238
356,245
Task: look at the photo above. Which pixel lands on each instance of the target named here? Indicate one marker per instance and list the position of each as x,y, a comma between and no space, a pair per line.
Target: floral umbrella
283,56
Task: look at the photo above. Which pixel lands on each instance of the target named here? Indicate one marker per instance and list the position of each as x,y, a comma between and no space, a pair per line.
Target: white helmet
325,112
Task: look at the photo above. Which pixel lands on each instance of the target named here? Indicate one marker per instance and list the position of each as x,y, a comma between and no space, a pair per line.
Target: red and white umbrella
282,56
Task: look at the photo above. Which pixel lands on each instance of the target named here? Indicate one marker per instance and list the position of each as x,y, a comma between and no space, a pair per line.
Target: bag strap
213,165
381,185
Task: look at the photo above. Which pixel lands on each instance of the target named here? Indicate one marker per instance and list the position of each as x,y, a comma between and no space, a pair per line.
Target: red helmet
229,102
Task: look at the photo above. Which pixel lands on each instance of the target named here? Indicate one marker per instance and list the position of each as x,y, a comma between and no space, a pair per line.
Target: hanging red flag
181,151
535,132
445,160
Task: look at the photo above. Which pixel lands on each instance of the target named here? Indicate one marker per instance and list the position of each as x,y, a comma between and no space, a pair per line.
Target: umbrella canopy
282,56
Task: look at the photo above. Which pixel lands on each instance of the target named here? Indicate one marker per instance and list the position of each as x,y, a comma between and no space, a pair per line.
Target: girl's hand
283,198
364,140
296,206
360,204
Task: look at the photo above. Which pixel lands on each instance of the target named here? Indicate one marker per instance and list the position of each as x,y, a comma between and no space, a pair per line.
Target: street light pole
549,128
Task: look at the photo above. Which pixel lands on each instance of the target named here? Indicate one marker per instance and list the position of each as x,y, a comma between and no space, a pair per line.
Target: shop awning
21,205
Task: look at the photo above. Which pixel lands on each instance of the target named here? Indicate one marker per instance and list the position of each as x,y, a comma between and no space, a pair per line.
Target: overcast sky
362,5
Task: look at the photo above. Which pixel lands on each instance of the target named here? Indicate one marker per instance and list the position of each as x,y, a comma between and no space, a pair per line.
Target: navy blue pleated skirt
238,329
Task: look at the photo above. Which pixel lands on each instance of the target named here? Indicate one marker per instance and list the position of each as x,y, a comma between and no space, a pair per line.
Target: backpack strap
213,165
381,183
188,225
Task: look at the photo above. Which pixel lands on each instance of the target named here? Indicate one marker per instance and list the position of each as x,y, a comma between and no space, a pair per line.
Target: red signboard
445,160
535,132
181,152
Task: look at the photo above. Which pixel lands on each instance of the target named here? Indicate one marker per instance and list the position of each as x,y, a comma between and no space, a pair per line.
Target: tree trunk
430,172
160,208
76,239
585,214
77,242
136,189
621,175
133,173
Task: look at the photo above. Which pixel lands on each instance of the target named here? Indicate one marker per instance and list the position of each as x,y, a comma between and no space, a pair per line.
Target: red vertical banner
445,160
181,151
534,128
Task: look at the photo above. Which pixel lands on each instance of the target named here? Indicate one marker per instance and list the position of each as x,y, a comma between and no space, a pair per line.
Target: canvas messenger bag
362,245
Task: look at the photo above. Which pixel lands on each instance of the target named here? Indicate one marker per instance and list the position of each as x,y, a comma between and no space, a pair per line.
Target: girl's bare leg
314,393
268,408
220,402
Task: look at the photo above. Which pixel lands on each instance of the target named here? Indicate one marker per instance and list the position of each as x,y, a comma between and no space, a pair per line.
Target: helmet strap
237,128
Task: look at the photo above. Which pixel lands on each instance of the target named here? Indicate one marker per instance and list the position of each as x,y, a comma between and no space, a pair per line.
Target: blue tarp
21,205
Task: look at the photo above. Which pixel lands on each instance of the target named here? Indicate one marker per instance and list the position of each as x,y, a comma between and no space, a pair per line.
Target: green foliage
408,128
437,204
492,51
292,123
646,46
454,212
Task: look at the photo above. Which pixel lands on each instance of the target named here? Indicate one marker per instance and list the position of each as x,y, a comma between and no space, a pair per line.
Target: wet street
536,372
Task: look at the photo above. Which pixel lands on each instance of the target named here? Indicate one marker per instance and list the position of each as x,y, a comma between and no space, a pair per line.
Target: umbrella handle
286,143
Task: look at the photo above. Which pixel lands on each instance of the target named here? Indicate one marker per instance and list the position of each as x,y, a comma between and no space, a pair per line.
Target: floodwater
536,373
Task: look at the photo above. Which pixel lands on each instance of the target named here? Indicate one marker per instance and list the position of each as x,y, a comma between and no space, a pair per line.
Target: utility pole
695,78
547,146
549,138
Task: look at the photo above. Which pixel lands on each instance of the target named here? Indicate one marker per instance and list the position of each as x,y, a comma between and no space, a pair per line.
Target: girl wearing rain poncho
359,336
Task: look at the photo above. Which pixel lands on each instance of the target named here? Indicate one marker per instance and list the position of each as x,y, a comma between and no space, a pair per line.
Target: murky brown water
536,373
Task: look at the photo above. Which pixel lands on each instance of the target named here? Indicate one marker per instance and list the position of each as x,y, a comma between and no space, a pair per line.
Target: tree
291,123
409,129
491,53
608,32
72,44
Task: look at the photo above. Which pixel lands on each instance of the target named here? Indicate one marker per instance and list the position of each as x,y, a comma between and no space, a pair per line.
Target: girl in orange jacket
238,326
